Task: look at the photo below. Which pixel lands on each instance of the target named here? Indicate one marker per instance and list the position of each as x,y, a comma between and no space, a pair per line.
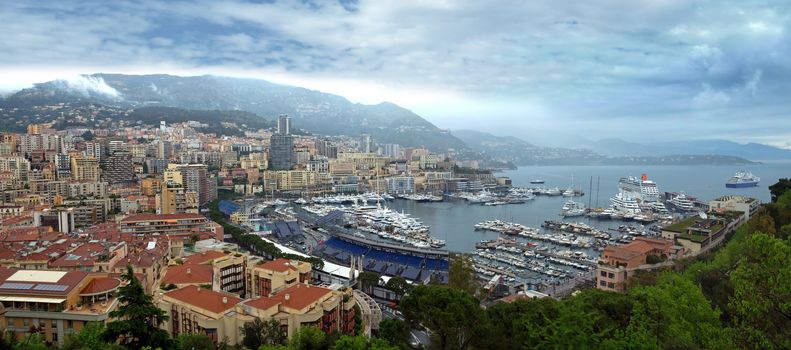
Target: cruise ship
742,179
642,189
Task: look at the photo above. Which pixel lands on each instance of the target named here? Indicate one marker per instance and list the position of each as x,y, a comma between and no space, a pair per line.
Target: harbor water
453,220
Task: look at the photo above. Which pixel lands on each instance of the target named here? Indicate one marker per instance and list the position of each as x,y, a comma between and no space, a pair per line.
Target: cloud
708,97
88,85
593,63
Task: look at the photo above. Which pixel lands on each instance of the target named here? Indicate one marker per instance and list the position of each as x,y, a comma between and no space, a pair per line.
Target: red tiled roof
100,285
300,295
204,298
188,274
278,265
71,260
262,303
203,257
154,217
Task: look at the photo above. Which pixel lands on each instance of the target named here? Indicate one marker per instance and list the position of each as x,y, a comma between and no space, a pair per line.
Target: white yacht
624,203
572,208
553,192
681,202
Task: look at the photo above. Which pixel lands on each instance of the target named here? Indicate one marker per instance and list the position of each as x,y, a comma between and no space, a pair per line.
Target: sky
547,71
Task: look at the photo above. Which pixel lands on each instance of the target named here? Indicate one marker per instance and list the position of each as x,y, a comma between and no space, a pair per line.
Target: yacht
624,203
553,192
572,208
681,202
537,181
569,192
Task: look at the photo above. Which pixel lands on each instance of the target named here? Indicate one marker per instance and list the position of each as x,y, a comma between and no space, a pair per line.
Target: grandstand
286,230
228,207
410,267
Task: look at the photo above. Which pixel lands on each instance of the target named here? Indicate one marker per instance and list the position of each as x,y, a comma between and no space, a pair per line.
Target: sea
453,220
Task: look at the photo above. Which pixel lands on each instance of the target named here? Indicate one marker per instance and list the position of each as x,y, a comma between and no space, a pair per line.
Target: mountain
313,111
754,151
520,152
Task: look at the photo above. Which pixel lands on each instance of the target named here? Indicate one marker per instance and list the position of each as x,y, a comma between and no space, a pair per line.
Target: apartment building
618,263
54,303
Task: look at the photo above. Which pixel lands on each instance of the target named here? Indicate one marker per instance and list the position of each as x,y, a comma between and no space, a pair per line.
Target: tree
194,341
34,341
677,313
398,285
368,280
137,318
462,274
259,332
762,222
395,332
87,136
778,189
359,342
454,317
762,294
308,338
91,336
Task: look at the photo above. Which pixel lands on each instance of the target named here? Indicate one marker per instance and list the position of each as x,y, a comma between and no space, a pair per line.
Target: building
281,146
271,277
221,315
165,224
118,168
84,168
290,180
54,303
618,263
742,204
194,178
400,184
176,199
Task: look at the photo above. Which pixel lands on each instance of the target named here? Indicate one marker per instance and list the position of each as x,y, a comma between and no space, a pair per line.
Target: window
604,274
54,337
610,285
611,275
25,322
603,283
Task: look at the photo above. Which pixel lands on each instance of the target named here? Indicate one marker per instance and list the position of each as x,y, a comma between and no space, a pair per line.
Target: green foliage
308,338
367,280
677,313
194,341
778,189
137,319
395,332
762,294
461,275
259,332
87,136
359,342
761,222
90,337
454,316
398,285
34,341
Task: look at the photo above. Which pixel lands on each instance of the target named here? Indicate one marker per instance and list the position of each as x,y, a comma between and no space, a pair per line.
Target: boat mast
598,185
